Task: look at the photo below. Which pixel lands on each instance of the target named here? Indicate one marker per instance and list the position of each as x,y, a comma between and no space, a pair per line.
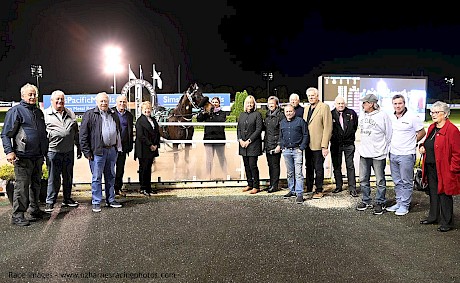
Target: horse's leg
187,159
187,153
176,155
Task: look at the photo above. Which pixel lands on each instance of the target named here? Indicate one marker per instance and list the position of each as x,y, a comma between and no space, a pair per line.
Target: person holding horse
215,114
146,146
249,129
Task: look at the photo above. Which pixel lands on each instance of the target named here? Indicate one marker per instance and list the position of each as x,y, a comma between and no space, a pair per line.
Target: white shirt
404,139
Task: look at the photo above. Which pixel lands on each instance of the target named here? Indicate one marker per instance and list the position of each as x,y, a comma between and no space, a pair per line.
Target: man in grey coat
62,128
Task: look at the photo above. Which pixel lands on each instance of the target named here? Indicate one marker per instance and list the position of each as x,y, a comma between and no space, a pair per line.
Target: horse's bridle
190,96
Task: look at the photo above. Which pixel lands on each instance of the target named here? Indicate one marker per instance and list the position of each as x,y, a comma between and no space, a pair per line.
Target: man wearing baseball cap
376,132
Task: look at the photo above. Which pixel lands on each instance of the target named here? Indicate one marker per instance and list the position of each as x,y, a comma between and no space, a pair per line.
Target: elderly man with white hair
344,126
62,129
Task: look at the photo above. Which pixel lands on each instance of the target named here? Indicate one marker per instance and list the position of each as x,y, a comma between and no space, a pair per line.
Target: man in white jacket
376,132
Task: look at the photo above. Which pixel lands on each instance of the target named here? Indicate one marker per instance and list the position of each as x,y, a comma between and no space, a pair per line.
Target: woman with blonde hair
249,129
146,146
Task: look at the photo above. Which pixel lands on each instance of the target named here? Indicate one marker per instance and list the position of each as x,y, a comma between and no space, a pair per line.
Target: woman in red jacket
441,166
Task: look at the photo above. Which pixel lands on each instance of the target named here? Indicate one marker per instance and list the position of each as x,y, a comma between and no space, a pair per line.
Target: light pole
450,82
37,72
112,63
267,76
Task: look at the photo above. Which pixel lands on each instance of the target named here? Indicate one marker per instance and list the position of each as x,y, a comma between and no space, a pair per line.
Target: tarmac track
223,235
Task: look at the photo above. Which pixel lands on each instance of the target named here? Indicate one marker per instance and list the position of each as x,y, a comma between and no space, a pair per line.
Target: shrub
7,172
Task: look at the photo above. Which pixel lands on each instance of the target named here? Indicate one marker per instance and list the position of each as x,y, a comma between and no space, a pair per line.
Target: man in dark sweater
127,137
293,141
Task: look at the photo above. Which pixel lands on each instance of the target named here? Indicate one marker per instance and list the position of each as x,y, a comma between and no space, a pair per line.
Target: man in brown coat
319,120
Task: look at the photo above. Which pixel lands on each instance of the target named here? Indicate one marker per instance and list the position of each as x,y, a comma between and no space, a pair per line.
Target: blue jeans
293,159
365,165
103,164
59,164
402,172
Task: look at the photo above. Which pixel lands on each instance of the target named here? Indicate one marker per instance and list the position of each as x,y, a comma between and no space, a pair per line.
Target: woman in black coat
214,133
146,146
249,129
271,141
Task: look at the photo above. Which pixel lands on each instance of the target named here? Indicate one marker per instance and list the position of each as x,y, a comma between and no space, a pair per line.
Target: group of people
305,135
105,137
32,137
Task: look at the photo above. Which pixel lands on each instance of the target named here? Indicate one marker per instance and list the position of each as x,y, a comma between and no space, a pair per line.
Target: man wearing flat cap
376,132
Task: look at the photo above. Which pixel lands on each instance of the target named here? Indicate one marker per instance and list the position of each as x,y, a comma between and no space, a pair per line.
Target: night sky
224,43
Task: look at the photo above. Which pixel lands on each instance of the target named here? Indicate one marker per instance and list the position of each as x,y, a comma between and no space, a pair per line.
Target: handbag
418,184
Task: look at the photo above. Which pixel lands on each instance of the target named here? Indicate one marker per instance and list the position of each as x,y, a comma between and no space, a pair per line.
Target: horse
191,99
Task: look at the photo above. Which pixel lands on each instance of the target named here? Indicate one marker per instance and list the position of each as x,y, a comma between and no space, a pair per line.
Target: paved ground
223,235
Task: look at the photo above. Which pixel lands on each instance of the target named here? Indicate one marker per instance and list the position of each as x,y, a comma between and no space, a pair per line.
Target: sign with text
80,103
170,100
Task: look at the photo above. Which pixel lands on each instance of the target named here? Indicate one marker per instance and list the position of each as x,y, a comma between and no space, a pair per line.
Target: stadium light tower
267,76
36,72
112,63
450,82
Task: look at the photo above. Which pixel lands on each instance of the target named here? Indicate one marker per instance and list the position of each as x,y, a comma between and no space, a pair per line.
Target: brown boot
247,188
254,191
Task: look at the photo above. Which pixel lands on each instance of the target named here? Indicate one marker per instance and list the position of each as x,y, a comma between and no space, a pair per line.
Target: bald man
344,126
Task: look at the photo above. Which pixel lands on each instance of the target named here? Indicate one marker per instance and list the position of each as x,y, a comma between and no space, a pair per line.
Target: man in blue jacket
25,145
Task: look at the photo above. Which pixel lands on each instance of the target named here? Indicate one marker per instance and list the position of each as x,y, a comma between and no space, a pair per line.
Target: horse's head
195,94
205,105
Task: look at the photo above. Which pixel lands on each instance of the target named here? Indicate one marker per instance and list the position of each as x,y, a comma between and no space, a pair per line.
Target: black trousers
26,191
252,171
145,174
273,161
336,157
441,205
119,171
314,169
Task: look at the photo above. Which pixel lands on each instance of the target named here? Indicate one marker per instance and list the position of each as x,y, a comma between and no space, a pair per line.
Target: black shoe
20,221
299,199
49,207
427,222
70,203
272,190
145,193
39,214
354,193
444,229
289,195
337,190
379,209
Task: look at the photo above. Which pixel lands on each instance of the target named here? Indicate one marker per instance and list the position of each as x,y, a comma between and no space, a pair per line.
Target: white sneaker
393,208
401,211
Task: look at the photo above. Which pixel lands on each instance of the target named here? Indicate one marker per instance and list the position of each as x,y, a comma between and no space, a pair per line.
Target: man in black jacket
25,145
100,141
127,137
344,126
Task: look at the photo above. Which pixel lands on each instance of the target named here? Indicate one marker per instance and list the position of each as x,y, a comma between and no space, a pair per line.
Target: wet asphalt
171,237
